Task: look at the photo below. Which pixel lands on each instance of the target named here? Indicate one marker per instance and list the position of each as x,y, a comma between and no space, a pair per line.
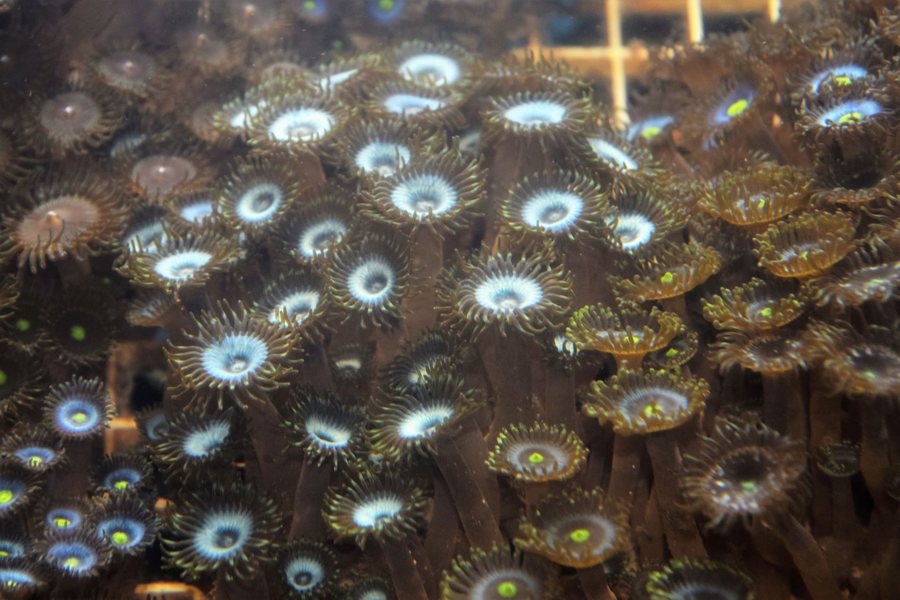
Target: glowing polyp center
537,113
326,433
301,125
78,333
259,203
206,440
304,573
552,209
6,496
382,158
223,534
424,422
850,112
422,195
435,69
371,281
652,403
375,511
78,415
508,293
633,230
318,237
297,306
409,104
612,155
181,266
234,357
841,75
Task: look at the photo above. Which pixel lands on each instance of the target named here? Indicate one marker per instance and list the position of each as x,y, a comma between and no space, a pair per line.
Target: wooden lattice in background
617,60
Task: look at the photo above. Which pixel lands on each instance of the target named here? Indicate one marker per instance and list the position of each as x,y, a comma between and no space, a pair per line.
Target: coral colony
337,300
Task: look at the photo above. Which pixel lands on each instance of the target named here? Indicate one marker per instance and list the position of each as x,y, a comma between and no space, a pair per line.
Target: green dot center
6,496
580,536
535,458
507,589
78,333
119,538
23,325
737,107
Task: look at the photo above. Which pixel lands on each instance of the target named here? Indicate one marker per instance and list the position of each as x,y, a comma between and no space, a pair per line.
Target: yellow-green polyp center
121,485
6,496
3,377
386,4
78,333
737,107
72,562
119,538
23,325
850,118
507,589
580,535
536,458
79,418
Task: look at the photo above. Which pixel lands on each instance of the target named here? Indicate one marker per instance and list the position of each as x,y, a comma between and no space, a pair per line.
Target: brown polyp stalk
808,557
873,458
443,530
583,261
426,261
824,428
559,397
677,305
626,469
505,358
784,406
264,425
647,525
682,535
74,480
404,572
315,370
507,165
594,584
308,499
844,524
474,450
478,521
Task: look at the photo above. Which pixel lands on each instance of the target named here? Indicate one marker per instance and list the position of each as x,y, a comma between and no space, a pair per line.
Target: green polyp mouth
842,80
309,5
671,353
72,563
507,589
766,313
737,107
6,496
78,333
535,458
652,409
580,536
3,377
35,461
667,278
749,486
23,325
79,418
121,485
120,538
386,5
651,132
850,118
62,522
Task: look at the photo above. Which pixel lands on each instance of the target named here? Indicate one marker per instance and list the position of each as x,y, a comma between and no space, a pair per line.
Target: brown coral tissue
439,300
